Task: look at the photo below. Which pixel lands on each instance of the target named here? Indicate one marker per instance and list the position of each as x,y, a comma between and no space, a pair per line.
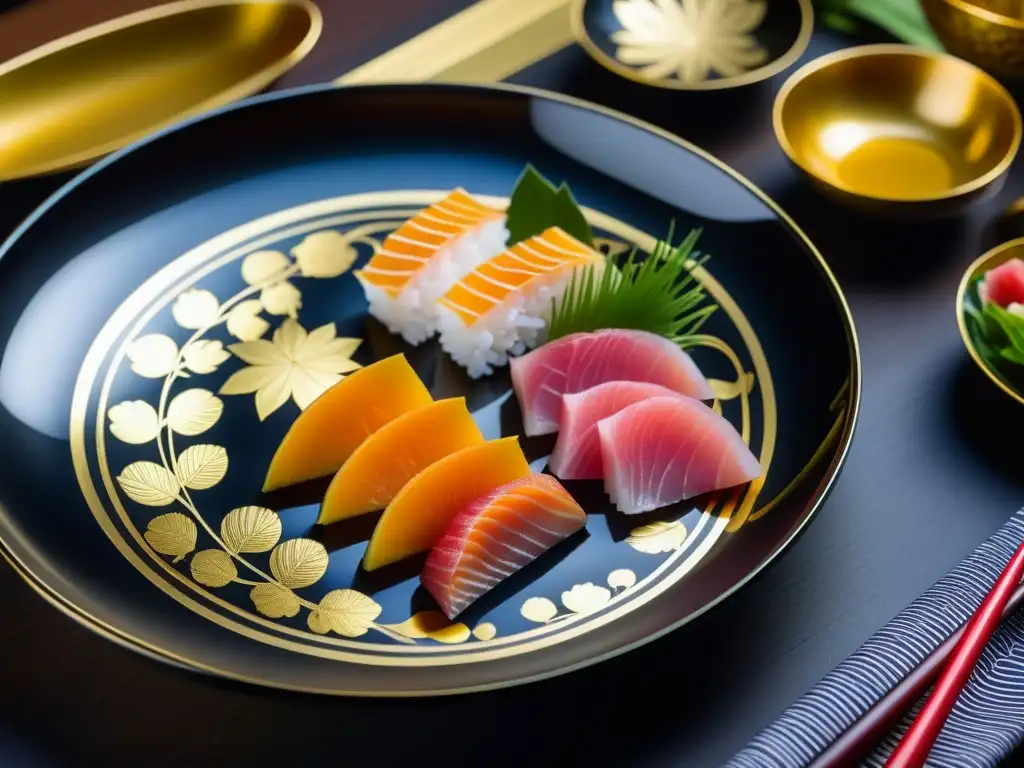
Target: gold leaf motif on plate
244,321
149,483
689,39
275,602
153,355
173,534
213,568
194,411
263,266
485,631
728,390
658,537
609,247
539,609
195,309
345,611
202,466
250,529
204,356
432,624
585,598
324,254
134,421
282,299
621,578
296,364
298,563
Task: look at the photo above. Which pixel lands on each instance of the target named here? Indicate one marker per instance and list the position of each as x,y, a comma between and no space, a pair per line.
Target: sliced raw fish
495,536
668,449
577,454
583,360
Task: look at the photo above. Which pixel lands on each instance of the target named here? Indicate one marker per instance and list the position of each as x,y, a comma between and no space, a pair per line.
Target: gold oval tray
82,96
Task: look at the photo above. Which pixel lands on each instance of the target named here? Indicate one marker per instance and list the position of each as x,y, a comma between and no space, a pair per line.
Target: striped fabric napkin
987,723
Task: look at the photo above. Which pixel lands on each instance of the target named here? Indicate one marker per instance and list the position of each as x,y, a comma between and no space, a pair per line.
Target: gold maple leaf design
297,364
689,39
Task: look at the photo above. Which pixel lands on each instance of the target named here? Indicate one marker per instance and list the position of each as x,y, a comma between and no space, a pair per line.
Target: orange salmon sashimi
502,307
418,262
497,535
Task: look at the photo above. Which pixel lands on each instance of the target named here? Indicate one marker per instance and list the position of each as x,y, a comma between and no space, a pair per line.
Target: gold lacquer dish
989,33
284,396
990,315
898,130
696,45
95,91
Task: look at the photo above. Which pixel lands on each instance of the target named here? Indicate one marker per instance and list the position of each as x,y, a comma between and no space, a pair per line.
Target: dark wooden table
935,468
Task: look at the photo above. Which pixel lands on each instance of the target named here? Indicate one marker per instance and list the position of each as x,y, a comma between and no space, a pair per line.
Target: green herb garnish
903,19
658,294
537,204
997,335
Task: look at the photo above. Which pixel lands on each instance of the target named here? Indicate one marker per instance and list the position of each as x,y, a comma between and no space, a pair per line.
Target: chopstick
917,742
861,737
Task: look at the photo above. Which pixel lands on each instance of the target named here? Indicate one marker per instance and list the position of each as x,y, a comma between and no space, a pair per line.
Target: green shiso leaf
1011,325
658,294
903,19
537,204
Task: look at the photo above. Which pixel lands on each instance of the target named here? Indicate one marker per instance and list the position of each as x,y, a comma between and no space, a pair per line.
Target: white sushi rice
517,324
414,313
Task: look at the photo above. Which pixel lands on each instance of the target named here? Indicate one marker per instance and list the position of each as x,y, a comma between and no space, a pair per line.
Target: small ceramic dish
699,45
898,130
989,33
984,343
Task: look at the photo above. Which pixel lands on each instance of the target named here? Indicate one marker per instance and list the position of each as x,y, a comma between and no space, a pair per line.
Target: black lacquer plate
223,250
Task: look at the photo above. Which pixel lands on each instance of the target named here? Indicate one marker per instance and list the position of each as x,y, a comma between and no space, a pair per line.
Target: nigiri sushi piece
577,453
496,535
503,305
668,449
583,360
394,454
421,512
324,435
418,262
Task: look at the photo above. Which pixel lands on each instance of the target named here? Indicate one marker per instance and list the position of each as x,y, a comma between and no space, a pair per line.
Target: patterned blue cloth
987,723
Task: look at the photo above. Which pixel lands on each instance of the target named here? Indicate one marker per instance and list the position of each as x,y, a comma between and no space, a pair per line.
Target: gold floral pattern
689,39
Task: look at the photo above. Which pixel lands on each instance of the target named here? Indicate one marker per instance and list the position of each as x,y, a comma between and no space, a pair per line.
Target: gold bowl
898,130
989,33
1008,377
693,45
77,98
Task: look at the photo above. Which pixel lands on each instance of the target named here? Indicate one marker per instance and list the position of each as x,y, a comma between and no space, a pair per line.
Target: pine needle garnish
658,294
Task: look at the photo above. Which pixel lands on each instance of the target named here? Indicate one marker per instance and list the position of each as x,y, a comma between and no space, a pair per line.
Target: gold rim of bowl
992,17
988,260
245,87
803,38
888,49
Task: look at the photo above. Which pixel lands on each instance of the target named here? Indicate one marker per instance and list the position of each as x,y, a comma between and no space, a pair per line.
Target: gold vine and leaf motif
294,364
689,40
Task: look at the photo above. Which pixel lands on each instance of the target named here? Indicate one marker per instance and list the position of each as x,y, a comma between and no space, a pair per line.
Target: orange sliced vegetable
398,451
325,434
420,513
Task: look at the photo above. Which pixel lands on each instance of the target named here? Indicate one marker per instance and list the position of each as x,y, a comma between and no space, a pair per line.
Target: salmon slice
668,449
577,453
334,425
406,251
579,361
394,454
520,270
418,516
497,535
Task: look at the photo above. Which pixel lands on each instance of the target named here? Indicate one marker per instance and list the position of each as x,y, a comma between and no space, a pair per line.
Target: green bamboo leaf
537,204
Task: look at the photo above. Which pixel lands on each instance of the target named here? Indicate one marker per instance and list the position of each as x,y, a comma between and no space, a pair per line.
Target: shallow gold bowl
989,33
82,96
898,130
1010,377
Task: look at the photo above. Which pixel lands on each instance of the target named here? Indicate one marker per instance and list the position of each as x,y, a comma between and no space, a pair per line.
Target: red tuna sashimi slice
497,535
1004,285
583,360
668,449
577,454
